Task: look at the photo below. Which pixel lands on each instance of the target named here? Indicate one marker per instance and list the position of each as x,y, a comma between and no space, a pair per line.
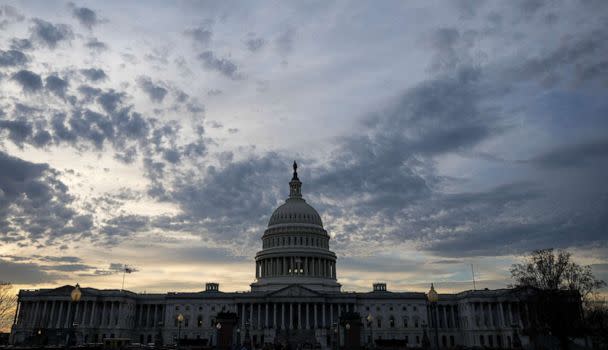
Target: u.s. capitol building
296,299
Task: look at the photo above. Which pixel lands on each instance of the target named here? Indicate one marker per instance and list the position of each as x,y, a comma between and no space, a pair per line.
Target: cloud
25,273
96,45
199,35
56,85
94,74
574,156
254,44
19,130
154,91
29,81
50,34
222,65
284,42
12,58
21,44
86,17
34,203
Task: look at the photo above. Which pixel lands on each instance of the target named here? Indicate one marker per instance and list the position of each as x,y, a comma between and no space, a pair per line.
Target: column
58,324
251,315
316,324
49,322
274,315
445,316
243,317
299,315
323,324
140,315
258,325
483,315
92,318
307,317
282,315
290,315
502,315
331,314
67,315
453,316
266,315
111,316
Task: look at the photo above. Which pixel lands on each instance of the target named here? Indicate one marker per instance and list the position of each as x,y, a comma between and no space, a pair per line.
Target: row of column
149,315
446,316
59,313
295,265
291,315
500,314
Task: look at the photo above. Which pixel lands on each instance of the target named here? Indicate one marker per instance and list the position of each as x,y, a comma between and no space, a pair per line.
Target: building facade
296,299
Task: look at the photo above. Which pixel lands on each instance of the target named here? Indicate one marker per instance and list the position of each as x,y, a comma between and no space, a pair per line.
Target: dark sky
430,136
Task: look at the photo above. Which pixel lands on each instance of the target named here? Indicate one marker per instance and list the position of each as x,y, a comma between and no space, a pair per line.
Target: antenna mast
473,274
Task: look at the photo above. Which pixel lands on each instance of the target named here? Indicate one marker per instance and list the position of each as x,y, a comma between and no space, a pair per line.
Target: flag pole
124,270
473,274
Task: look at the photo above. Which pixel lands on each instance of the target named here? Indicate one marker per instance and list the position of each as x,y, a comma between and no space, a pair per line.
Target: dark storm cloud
67,267
587,52
50,34
235,198
96,45
18,130
25,273
21,44
56,85
34,204
154,91
86,16
12,58
29,81
110,100
199,35
222,65
94,74
574,156
254,43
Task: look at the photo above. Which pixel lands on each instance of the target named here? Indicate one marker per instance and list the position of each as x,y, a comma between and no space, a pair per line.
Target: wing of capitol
295,300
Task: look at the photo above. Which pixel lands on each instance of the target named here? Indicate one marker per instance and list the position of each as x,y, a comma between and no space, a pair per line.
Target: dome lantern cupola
295,185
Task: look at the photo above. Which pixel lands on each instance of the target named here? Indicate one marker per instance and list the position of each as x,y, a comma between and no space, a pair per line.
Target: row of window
404,308
295,240
392,323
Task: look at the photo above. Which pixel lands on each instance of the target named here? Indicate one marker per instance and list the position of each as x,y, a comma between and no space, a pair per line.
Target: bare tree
8,303
547,269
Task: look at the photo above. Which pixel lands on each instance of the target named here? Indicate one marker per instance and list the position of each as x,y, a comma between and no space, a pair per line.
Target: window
199,321
405,322
200,308
177,307
481,340
415,309
391,322
187,307
404,308
379,323
417,339
390,308
367,308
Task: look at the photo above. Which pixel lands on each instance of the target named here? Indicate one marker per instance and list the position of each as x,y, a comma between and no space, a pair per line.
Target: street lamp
218,326
75,296
370,320
238,336
336,328
433,298
180,319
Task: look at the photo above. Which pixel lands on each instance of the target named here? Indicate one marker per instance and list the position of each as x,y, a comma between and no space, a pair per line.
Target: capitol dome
295,211
295,247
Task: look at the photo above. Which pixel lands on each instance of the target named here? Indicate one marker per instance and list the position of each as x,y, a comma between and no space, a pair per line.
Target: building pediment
295,290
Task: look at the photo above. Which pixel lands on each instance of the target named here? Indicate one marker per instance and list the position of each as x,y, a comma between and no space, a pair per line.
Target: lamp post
75,296
218,326
247,340
346,329
433,297
180,319
336,328
238,337
370,320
